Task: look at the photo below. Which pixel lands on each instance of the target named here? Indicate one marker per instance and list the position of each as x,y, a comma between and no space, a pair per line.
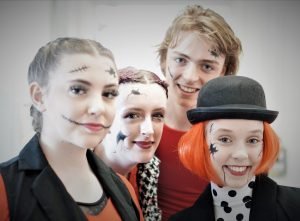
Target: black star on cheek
213,149
111,71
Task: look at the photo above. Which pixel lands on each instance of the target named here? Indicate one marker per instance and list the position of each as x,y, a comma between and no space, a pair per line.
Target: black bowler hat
231,97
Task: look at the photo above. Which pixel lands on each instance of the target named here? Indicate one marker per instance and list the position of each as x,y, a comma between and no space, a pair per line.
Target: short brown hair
207,24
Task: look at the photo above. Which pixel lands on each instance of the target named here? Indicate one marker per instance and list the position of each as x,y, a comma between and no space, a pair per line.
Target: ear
36,94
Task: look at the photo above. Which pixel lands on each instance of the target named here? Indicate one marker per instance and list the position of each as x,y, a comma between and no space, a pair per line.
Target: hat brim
210,113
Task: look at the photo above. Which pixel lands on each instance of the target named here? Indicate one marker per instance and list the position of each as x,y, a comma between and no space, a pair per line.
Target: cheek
158,129
256,155
220,157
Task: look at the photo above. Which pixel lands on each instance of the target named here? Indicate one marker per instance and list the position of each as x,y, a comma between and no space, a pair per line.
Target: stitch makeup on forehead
79,69
112,72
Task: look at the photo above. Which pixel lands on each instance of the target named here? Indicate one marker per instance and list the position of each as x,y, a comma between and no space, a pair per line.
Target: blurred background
132,29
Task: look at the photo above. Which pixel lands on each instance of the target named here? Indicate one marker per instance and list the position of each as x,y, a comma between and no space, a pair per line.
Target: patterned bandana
147,180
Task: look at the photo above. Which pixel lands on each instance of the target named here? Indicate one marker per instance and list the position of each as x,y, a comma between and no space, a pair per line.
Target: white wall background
268,29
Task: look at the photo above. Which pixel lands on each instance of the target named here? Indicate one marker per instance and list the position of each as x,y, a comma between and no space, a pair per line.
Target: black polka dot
215,192
247,199
232,193
239,217
220,219
248,205
251,184
224,204
227,209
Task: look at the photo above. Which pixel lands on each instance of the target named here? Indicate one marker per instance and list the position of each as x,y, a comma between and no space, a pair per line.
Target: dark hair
48,58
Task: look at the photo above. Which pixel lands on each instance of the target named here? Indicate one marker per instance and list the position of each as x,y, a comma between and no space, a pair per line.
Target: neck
63,156
176,116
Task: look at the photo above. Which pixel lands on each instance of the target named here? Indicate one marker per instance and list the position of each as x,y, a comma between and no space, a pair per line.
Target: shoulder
289,199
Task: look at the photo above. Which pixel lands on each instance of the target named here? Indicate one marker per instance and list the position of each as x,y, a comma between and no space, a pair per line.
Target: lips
189,90
93,127
144,144
238,170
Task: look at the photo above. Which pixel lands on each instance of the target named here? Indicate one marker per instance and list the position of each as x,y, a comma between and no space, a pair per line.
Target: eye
78,90
207,68
180,60
224,139
253,141
158,116
110,94
132,116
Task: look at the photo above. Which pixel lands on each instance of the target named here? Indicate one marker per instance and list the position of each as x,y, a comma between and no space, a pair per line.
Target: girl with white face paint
73,85
135,134
232,145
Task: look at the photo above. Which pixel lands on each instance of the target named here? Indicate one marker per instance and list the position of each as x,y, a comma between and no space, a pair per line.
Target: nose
240,152
96,106
191,73
147,126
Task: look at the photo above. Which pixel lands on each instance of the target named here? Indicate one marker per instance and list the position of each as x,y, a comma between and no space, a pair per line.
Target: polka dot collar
232,203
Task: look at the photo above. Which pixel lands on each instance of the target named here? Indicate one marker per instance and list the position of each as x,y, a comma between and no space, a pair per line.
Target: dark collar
49,190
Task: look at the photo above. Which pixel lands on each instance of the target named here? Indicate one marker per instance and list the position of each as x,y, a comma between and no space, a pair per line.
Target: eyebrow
89,83
228,130
202,60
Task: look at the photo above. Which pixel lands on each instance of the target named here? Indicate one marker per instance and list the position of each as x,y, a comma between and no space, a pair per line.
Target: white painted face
79,100
236,148
138,125
189,65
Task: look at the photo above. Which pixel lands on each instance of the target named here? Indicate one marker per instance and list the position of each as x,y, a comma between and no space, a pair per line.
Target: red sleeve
4,211
133,195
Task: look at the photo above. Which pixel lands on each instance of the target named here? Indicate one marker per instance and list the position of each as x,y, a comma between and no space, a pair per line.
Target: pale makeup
190,64
139,118
80,100
235,147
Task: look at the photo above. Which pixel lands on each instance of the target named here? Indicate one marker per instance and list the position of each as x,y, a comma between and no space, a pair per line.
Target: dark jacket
271,202
36,193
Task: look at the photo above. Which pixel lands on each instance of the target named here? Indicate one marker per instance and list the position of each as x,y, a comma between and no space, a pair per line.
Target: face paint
170,73
82,68
236,149
214,53
82,124
111,71
120,136
213,149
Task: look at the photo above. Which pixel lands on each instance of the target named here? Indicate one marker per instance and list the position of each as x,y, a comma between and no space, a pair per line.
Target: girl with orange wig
232,145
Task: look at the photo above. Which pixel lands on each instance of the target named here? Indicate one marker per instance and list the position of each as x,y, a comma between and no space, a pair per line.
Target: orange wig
194,153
